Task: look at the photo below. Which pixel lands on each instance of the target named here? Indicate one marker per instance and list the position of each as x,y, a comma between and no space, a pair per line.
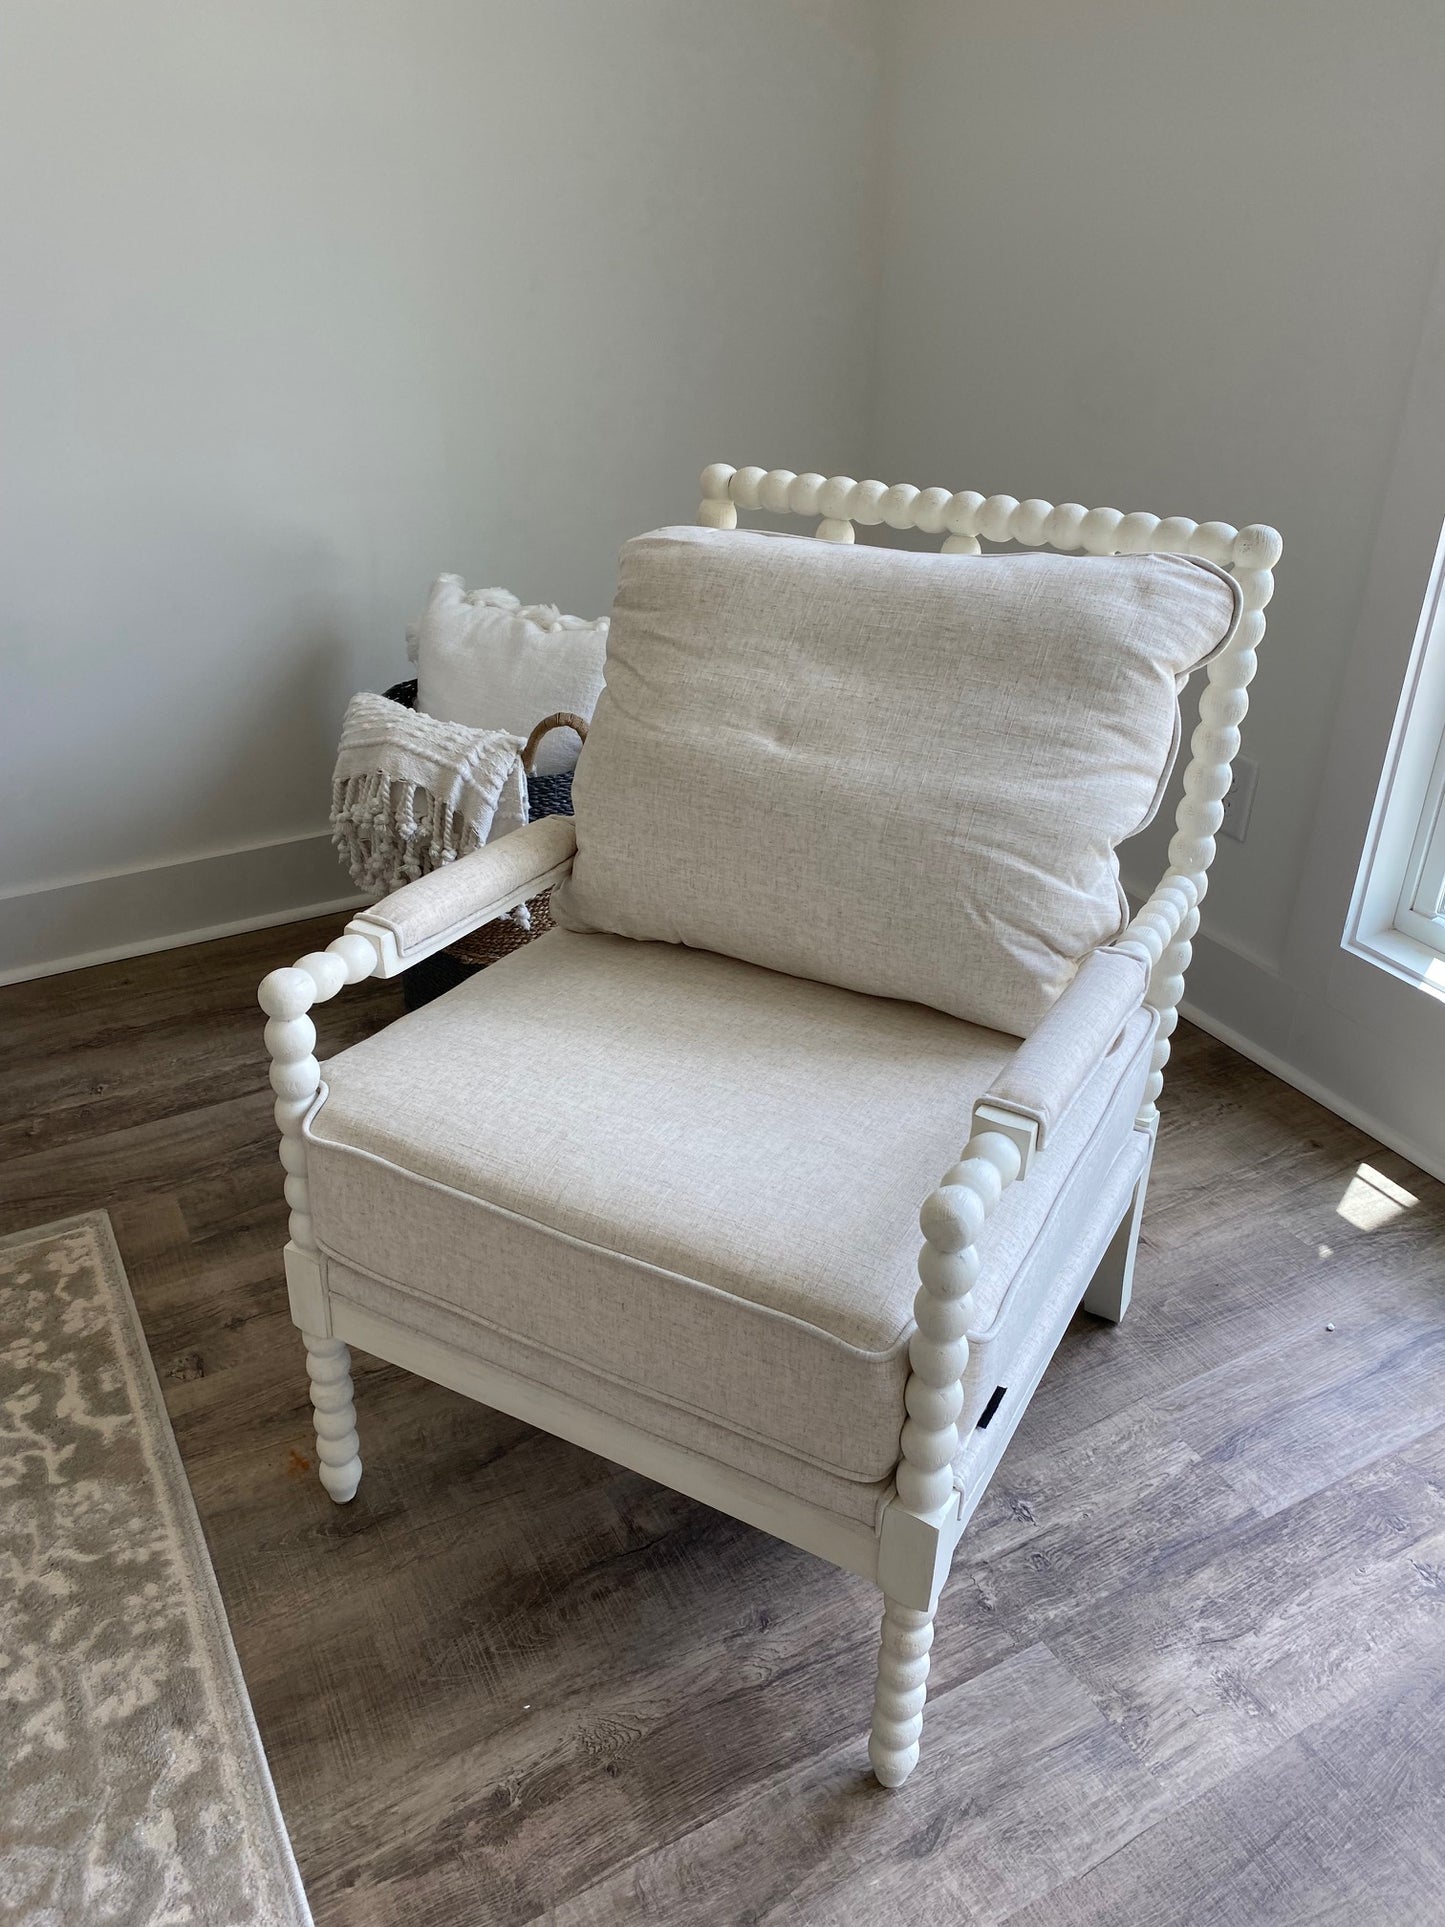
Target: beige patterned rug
133,1787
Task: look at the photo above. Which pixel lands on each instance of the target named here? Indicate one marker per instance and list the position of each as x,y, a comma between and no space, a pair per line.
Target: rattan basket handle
562,720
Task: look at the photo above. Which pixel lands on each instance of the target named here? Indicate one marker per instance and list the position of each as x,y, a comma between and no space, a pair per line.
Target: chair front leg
338,1449
904,1644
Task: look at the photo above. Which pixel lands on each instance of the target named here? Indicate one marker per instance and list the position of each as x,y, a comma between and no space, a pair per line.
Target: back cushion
902,773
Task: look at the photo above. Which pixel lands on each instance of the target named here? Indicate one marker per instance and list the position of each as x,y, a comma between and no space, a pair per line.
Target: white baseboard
1419,1154
98,919
1346,1056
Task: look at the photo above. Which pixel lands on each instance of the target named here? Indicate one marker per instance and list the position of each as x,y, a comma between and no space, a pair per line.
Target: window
1397,918
1421,910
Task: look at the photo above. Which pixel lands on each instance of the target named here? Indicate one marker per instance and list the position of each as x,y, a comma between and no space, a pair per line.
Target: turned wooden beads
286,996
965,516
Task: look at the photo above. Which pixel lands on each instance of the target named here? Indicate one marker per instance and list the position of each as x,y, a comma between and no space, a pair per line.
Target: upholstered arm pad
425,916
1052,1065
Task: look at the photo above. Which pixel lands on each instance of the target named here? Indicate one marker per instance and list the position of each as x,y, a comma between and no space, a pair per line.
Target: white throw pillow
484,659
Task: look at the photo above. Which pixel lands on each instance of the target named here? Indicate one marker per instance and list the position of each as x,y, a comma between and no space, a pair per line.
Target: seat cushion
899,772
688,1175
1040,1301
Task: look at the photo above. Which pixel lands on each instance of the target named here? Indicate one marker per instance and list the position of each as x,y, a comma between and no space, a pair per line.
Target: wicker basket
546,796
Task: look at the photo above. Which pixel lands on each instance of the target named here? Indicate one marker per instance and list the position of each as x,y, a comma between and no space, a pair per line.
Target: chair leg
898,1697
337,1447
1110,1287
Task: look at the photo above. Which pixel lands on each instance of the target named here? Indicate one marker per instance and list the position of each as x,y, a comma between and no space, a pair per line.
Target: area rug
133,1787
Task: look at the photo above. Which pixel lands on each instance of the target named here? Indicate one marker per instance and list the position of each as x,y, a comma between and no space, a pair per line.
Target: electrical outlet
1239,799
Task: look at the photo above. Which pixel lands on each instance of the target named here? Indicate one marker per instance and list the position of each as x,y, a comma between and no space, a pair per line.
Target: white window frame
1420,909
1396,917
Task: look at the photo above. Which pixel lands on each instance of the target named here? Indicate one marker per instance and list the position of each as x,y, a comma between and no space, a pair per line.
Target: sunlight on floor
1373,1200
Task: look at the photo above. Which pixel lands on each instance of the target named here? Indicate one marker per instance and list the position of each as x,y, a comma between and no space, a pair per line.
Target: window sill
1405,958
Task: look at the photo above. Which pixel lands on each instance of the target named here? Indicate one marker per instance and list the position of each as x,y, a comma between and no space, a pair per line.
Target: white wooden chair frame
909,1555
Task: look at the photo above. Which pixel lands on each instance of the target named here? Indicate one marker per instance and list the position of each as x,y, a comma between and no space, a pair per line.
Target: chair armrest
1050,1068
436,910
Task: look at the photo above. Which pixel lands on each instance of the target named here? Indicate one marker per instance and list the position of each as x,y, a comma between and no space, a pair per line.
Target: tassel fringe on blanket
411,792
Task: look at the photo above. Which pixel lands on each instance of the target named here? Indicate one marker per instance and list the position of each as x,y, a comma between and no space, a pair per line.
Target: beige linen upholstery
898,772
1050,1068
695,1182
437,909
1041,1295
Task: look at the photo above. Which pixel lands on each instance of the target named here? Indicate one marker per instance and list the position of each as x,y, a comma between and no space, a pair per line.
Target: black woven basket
546,796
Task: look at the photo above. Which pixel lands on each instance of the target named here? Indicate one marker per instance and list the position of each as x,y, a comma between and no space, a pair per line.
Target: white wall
1178,257
307,300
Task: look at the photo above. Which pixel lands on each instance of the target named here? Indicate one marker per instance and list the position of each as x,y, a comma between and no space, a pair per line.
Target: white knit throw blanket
411,792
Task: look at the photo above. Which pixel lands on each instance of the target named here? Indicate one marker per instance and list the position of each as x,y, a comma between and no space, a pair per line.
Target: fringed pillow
411,793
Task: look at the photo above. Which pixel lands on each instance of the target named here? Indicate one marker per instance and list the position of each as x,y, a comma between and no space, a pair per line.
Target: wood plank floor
1190,1669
